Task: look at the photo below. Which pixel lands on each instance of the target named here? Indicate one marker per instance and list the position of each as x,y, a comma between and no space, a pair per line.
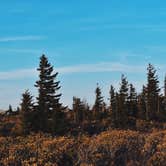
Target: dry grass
114,147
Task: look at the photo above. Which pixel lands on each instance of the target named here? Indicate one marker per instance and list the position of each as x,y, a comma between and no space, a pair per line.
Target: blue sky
88,42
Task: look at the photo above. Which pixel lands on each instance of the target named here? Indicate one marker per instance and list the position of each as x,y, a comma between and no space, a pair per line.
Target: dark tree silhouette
122,102
27,106
132,101
152,93
49,113
113,105
78,109
142,103
126,107
98,103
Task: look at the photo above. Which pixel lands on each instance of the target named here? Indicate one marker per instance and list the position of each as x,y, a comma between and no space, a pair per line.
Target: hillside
114,147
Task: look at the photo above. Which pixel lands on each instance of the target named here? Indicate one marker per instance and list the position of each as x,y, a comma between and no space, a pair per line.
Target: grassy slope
114,147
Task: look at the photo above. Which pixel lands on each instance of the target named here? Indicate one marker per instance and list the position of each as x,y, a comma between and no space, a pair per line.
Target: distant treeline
126,106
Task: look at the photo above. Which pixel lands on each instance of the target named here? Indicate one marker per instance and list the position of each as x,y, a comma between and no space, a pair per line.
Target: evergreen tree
118,120
152,93
10,110
122,102
27,112
86,113
78,110
113,104
162,105
124,88
132,101
98,103
112,99
104,109
49,115
142,104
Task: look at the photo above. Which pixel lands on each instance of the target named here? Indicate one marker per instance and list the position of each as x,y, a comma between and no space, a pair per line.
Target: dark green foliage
98,103
124,88
132,102
161,113
142,104
81,111
112,99
48,109
105,112
10,110
113,105
123,105
152,94
27,112
122,102
118,117
87,114
78,110
48,115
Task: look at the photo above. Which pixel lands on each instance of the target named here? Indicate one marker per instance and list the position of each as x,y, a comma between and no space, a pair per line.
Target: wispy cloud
101,67
18,74
81,68
21,74
20,38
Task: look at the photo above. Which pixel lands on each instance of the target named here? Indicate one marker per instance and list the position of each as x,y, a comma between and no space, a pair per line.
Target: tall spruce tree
152,93
124,87
132,101
27,106
10,110
49,114
119,121
142,103
113,104
112,99
122,100
98,103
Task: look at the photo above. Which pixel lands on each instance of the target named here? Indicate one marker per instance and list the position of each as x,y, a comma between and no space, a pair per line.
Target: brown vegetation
114,147
130,131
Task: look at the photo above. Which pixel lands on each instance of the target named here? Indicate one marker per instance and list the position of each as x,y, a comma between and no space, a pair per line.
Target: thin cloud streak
82,68
101,67
18,74
20,38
